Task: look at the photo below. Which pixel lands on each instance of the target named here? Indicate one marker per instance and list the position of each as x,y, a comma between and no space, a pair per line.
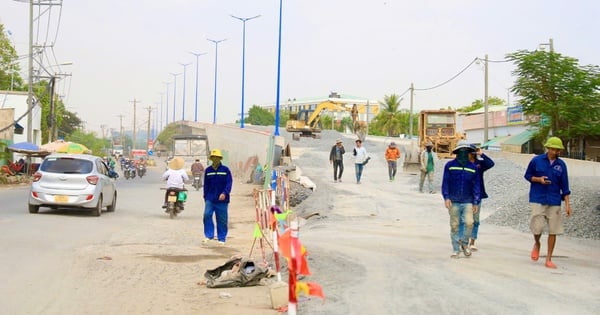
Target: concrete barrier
243,149
574,167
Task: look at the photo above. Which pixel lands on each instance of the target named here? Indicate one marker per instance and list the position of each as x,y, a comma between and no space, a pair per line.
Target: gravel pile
508,203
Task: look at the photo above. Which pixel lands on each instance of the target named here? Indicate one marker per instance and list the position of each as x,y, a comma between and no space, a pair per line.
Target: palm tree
389,117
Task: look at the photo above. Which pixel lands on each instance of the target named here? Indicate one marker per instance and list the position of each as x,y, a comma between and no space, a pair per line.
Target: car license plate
61,198
172,198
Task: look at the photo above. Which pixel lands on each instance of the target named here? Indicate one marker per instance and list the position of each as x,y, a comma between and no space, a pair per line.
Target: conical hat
176,163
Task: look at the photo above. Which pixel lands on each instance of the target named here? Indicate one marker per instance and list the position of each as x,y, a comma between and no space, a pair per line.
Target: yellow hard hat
555,143
216,152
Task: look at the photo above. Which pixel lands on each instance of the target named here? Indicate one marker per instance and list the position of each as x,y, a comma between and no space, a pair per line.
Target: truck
191,147
307,122
117,150
439,127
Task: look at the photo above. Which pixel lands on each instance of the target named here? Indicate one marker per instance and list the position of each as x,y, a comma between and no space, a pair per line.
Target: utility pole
103,127
485,102
51,115
30,101
134,118
121,129
410,116
149,109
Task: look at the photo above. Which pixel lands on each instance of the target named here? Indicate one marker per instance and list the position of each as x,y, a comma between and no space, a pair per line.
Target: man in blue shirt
549,180
217,189
461,189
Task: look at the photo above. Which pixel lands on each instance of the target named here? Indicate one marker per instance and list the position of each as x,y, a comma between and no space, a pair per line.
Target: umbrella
27,148
73,147
53,146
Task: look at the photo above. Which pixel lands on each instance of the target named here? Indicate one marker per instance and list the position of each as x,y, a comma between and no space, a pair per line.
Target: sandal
535,253
550,264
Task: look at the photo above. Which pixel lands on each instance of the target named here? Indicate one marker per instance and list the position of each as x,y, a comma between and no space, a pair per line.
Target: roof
494,108
496,142
521,138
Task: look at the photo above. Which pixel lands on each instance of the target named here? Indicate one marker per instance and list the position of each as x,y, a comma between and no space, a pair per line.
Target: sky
121,51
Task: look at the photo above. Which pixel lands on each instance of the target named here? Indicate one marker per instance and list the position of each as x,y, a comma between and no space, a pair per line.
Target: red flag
315,289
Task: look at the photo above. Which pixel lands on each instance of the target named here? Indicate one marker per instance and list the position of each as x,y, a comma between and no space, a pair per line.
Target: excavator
307,122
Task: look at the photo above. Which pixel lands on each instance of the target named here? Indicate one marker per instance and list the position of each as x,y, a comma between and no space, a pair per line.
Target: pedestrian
392,154
336,158
483,163
549,180
462,193
428,158
360,159
217,190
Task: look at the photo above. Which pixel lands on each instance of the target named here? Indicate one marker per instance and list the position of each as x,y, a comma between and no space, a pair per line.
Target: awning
494,144
521,138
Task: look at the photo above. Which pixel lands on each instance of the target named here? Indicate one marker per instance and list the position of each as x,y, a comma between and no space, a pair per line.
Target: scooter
175,199
197,183
141,170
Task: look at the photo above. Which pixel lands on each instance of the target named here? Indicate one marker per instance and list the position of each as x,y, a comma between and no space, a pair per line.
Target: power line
452,78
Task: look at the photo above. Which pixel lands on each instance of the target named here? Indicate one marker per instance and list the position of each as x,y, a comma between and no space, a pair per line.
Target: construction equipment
307,122
439,127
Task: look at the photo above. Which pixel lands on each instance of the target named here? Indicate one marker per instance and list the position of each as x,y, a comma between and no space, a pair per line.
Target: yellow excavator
307,122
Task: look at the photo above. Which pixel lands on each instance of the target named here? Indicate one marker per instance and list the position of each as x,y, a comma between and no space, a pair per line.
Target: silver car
73,181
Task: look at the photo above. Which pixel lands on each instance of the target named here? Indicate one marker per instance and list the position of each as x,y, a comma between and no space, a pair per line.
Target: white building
13,110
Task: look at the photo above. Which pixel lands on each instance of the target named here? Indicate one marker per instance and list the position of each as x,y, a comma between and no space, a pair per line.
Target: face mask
462,156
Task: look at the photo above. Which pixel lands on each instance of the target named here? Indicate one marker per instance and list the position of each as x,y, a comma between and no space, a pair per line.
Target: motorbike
197,183
141,170
129,171
175,199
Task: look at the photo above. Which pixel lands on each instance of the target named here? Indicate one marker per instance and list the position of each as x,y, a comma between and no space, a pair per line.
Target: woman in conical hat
176,163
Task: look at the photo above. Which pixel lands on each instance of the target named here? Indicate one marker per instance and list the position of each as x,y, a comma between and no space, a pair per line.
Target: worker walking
392,154
336,158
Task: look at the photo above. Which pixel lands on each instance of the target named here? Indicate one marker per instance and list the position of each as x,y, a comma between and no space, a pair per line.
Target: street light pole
184,72
174,92
167,106
276,132
216,60
243,60
196,103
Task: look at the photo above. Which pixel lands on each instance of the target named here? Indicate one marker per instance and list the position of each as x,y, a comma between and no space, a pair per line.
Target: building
508,129
13,111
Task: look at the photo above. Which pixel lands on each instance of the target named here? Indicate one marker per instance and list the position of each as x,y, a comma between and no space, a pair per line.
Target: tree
9,66
557,89
388,119
259,116
479,103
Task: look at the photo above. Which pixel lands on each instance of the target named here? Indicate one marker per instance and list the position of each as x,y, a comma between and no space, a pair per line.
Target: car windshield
67,166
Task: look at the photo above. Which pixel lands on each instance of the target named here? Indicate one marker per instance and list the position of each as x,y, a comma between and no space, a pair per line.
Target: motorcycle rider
198,170
175,176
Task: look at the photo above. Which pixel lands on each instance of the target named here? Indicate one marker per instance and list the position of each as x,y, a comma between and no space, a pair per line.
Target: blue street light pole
276,133
216,60
183,105
174,92
196,103
167,106
160,120
243,61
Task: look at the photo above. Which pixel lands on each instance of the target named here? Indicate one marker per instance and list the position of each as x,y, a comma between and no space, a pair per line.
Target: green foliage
91,141
477,104
9,66
557,87
391,120
261,117
166,136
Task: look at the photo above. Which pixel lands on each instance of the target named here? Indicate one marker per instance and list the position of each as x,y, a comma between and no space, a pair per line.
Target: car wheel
98,210
113,205
34,209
